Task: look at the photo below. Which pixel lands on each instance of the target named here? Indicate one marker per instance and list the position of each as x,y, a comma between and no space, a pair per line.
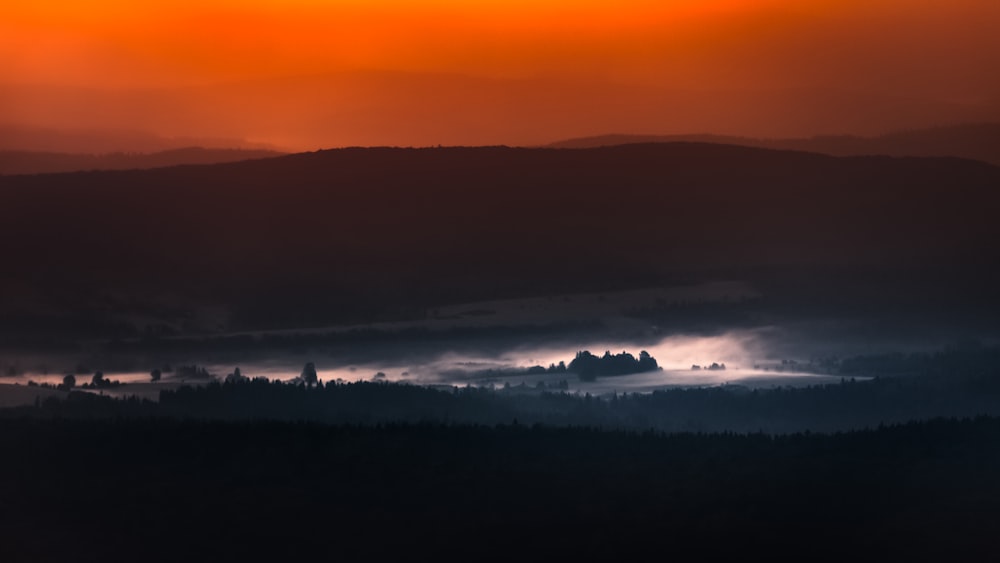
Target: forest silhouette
257,490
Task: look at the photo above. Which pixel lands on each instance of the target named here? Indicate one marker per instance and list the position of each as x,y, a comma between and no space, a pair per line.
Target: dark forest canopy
256,490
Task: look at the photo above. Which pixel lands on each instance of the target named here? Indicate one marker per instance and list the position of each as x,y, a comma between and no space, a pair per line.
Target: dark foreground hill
163,490
385,232
32,162
972,141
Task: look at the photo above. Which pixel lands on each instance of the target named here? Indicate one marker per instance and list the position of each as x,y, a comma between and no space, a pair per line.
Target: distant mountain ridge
29,162
398,108
972,141
108,139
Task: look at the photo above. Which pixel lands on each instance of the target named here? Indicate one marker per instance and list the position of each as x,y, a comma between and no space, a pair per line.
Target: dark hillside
32,162
267,491
976,141
356,233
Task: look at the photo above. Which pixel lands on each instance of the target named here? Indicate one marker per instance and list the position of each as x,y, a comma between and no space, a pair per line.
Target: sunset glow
899,63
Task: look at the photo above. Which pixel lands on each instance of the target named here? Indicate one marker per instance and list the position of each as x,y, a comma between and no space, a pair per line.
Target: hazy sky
512,71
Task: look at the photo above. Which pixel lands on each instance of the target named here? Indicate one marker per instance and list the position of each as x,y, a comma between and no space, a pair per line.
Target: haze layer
308,74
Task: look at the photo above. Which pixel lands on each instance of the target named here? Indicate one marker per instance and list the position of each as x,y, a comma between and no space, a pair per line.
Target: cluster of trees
69,382
589,367
98,381
553,368
585,365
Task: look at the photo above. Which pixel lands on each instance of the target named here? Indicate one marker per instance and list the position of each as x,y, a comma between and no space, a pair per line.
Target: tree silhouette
69,381
155,375
309,374
236,377
589,367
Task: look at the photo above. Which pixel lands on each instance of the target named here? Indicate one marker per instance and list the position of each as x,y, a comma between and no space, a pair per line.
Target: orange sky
726,66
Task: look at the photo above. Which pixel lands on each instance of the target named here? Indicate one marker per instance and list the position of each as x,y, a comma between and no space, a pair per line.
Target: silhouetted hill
368,108
362,233
614,139
259,491
104,139
974,141
26,162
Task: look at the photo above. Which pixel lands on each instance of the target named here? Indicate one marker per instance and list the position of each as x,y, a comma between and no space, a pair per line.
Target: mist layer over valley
473,265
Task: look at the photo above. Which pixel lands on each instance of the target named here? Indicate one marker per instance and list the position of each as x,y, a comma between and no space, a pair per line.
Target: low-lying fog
514,336
745,355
